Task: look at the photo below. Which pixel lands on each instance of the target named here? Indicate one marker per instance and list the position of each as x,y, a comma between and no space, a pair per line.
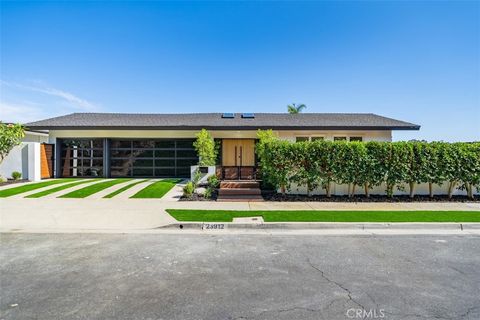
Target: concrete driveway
153,276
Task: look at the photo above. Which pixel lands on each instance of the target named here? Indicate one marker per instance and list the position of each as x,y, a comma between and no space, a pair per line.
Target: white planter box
207,171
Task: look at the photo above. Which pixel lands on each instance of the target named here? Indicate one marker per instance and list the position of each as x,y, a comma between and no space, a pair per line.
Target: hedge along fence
369,164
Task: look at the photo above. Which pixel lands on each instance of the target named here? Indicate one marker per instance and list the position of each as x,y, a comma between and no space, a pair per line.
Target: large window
81,157
152,158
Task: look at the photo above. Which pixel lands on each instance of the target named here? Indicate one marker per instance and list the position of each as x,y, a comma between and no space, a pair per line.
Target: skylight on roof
248,115
228,115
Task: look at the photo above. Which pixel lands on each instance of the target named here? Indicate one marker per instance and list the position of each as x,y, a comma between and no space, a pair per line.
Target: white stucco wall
35,137
244,134
24,158
342,189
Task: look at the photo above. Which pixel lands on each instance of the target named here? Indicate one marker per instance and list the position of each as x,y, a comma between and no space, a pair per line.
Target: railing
237,173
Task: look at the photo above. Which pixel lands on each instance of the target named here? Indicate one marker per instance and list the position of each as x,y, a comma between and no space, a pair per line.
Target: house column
106,158
34,167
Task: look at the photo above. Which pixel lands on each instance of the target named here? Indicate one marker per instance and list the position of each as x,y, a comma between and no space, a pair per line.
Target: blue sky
415,61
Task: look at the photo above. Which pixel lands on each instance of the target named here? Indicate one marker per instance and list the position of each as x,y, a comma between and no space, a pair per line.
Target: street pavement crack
345,289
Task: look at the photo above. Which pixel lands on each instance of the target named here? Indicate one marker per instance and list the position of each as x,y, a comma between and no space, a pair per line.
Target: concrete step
240,198
239,184
239,191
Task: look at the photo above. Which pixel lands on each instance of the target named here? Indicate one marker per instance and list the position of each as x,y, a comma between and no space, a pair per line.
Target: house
161,145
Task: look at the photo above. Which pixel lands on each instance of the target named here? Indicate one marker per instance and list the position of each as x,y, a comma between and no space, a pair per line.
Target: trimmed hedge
368,164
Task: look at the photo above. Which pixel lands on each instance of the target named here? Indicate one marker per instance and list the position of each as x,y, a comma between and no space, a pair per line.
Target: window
318,138
360,139
339,138
301,139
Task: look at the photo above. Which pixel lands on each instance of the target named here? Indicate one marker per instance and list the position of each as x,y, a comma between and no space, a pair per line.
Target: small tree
10,136
206,148
305,169
377,167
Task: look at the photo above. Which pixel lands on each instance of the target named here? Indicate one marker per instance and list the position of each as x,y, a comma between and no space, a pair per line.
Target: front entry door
238,152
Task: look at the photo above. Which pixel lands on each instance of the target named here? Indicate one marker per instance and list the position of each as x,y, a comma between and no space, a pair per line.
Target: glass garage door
81,158
152,158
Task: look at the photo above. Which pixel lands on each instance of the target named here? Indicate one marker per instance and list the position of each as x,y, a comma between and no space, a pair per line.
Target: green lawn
32,186
157,189
59,188
89,190
328,216
128,186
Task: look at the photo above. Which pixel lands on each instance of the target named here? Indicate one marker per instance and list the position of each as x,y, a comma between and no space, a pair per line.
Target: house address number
213,226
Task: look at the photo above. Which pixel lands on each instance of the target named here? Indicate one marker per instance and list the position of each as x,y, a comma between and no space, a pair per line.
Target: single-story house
161,145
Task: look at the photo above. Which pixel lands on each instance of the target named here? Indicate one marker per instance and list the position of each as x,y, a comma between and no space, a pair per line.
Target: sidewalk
140,214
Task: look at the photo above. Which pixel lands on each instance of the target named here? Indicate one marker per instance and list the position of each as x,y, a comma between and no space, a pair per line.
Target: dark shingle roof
195,121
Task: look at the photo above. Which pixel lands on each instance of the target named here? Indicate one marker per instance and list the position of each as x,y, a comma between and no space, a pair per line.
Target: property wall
341,189
24,158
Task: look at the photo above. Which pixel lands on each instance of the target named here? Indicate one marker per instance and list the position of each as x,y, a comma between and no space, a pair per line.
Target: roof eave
236,128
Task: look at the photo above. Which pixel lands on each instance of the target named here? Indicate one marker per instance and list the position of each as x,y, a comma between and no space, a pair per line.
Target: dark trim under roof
214,121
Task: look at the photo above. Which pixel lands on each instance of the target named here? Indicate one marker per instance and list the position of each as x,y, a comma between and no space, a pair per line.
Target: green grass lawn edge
128,186
60,188
326,216
97,187
156,190
32,186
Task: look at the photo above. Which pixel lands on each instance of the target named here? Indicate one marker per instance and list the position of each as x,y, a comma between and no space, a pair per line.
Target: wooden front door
46,160
238,152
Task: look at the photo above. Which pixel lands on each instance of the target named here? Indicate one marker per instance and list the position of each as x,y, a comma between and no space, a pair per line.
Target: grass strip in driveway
156,190
32,186
327,216
89,190
122,189
59,188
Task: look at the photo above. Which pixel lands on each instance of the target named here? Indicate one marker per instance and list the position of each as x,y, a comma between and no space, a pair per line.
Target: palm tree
294,109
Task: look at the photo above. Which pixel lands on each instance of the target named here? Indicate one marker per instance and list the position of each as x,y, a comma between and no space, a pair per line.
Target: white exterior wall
243,134
341,190
24,158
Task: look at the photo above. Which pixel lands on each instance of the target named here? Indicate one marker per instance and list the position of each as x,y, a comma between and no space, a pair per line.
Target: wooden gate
46,160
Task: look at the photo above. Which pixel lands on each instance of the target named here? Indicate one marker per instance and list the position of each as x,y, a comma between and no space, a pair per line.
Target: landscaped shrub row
368,164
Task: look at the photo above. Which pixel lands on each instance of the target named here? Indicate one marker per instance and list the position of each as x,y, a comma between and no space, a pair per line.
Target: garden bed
197,197
11,181
272,196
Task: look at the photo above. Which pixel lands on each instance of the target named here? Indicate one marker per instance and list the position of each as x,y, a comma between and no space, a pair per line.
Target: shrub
208,193
213,182
197,175
188,190
395,164
206,148
16,175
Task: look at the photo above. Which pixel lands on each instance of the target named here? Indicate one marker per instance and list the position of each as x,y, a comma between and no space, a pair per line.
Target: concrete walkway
104,192
133,190
24,194
138,214
175,193
68,190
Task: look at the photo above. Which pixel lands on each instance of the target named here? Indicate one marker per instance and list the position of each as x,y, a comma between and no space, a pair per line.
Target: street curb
321,226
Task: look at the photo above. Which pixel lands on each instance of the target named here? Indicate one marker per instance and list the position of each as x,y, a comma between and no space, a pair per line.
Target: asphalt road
154,276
